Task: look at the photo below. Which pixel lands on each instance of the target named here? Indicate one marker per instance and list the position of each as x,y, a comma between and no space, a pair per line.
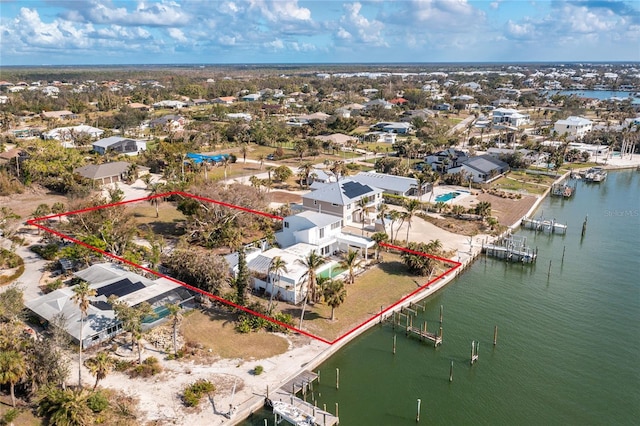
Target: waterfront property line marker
37,223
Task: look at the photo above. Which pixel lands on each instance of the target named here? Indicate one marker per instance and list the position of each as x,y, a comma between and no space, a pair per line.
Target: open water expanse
568,349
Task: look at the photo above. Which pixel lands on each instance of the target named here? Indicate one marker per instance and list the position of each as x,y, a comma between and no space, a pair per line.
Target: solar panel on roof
102,305
354,189
120,288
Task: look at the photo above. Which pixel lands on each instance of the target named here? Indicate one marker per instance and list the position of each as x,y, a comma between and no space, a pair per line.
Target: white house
69,134
509,117
342,198
301,234
573,127
119,145
170,104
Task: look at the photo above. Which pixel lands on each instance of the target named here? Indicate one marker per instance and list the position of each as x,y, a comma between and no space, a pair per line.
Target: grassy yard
167,222
216,331
504,183
381,285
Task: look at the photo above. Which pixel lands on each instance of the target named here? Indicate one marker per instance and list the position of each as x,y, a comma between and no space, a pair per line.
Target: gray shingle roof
99,171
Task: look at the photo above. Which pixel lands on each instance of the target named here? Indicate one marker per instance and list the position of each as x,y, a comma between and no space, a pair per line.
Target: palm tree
304,171
81,294
365,209
100,366
483,209
140,313
395,215
379,238
457,210
351,262
311,262
244,149
175,315
261,158
277,267
412,207
12,369
154,189
334,293
58,208
382,214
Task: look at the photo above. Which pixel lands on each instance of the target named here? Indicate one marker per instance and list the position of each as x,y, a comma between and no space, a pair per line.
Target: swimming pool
334,271
446,197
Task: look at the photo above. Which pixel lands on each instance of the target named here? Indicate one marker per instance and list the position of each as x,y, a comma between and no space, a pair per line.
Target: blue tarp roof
199,158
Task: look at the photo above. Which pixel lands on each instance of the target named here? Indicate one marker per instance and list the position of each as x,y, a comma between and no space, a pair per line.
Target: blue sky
59,32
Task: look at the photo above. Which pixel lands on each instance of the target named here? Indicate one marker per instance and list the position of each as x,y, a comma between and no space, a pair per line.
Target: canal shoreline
257,401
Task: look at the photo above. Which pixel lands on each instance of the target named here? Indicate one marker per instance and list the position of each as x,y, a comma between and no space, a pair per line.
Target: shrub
54,285
97,402
48,252
149,367
9,416
193,393
258,370
122,365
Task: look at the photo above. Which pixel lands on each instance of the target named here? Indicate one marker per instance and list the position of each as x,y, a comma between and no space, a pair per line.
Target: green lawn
379,286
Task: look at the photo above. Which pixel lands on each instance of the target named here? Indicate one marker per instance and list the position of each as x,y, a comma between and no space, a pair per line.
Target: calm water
568,347
596,94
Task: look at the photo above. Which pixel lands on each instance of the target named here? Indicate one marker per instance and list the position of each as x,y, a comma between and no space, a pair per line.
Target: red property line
35,223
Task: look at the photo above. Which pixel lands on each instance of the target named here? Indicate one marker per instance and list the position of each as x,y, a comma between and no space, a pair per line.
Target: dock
512,248
420,332
289,408
543,225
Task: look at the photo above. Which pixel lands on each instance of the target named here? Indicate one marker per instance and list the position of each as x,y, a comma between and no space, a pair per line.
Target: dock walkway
287,394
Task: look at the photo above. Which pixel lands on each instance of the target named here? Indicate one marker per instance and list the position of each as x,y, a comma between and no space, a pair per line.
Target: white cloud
343,34
360,28
164,13
177,34
275,44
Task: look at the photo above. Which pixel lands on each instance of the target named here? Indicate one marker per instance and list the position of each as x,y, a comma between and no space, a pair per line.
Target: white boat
292,414
596,174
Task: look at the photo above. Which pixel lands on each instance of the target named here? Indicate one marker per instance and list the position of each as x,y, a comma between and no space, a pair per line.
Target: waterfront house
391,184
481,168
573,127
341,199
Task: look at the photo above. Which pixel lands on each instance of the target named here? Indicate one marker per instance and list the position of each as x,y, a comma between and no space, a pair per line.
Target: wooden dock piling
451,373
337,378
474,351
418,414
495,335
